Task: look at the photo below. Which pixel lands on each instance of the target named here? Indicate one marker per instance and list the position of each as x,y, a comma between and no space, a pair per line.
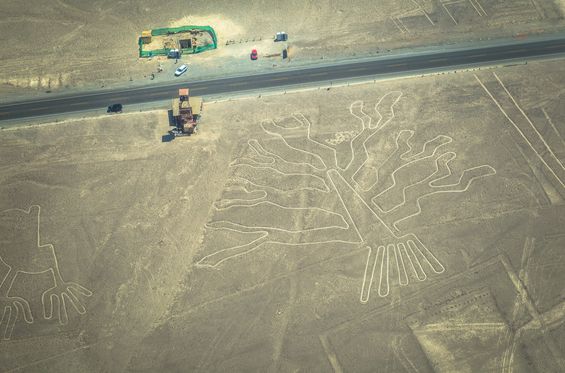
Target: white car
181,70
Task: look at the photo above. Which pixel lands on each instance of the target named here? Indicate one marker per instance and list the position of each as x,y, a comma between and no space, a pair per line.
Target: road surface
394,65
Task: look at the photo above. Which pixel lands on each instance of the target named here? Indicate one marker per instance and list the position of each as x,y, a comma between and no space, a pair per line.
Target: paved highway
389,65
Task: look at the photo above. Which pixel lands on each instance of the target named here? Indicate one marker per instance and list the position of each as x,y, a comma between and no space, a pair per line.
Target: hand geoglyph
21,252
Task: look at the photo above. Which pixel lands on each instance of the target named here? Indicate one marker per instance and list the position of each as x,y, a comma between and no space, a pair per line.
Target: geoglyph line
385,258
332,357
402,274
243,179
411,160
419,10
373,257
448,12
541,158
270,228
401,27
530,122
240,200
393,174
492,171
445,188
245,249
304,121
449,155
556,132
366,286
373,213
315,156
461,326
260,150
331,213
236,161
286,174
422,10
364,126
479,6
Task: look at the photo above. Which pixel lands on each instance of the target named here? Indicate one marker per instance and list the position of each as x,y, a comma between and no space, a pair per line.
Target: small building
146,37
281,36
174,53
185,43
186,112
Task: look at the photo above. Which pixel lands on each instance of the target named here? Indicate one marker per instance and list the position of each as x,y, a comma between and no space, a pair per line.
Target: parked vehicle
114,108
181,70
174,53
254,55
281,36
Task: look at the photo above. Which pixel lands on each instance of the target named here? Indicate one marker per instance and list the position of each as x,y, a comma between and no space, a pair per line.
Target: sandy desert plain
402,225
409,225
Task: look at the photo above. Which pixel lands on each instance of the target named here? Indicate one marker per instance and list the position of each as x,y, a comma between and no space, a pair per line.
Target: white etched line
519,131
402,274
449,13
481,7
491,171
418,270
382,259
530,122
428,254
475,7
385,289
363,118
421,9
413,160
332,357
405,253
397,25
315,156
461,326
368,280
557,134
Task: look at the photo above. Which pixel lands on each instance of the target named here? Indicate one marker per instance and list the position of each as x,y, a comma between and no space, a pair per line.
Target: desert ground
61,45
409,225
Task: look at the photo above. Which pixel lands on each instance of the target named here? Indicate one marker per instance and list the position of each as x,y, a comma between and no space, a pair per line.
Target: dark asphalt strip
390,65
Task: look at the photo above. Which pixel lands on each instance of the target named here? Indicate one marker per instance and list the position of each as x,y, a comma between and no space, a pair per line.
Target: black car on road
115,108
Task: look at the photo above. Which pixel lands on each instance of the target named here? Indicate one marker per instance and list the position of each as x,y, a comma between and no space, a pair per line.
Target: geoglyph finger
23,305
77,304
63,316
356,109
5,322
47,302
11,322
81,289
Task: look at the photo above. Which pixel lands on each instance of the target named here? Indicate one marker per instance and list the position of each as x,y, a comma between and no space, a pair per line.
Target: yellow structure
196,104
146,37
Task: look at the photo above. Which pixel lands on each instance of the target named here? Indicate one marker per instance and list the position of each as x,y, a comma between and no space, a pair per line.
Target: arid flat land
72,45
411,225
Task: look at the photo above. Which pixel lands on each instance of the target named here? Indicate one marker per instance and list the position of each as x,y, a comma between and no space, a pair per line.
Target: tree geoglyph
291,178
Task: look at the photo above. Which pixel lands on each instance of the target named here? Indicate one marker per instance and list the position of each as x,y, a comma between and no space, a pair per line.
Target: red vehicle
254,54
